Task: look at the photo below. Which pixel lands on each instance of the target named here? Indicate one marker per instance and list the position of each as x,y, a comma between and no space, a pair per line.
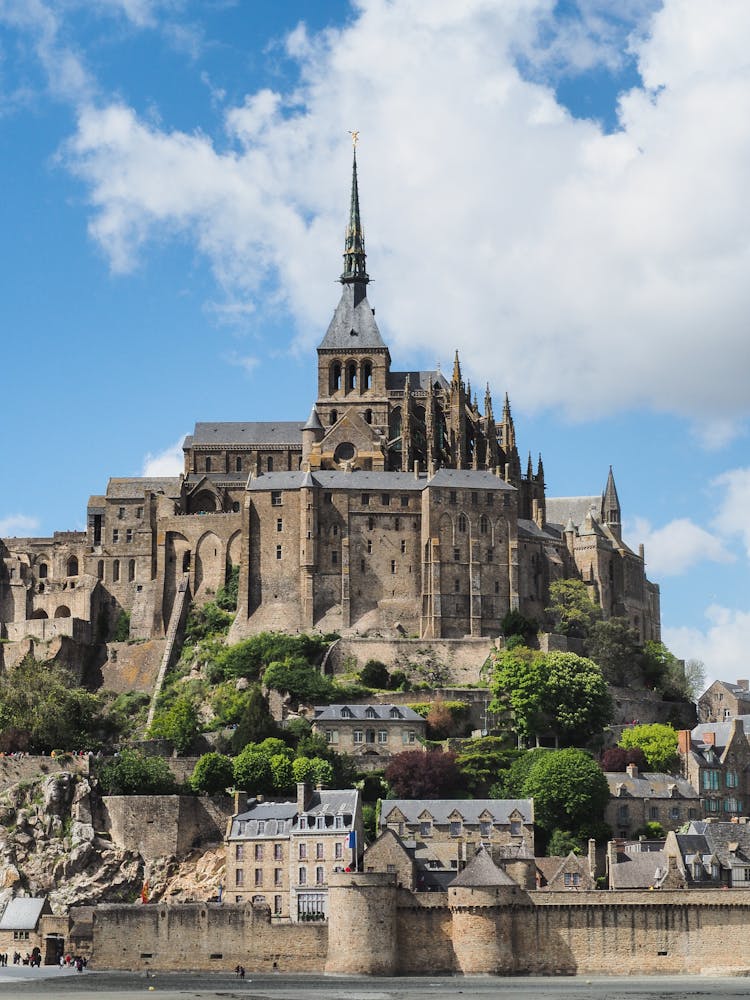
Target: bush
208,620
213,772
133,773
516,624
374,674
252,771
178,723
121,631
399,681
226,595
295,677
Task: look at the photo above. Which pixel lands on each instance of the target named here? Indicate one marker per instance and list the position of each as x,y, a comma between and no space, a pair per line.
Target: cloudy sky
558,189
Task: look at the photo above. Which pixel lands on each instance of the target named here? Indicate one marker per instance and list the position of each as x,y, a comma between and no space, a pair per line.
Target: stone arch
205,502
42,569
131,570
71,566
210,571
334,377
100,570
39,614
366,382
116,571
234,548
351,376
63,611
177,550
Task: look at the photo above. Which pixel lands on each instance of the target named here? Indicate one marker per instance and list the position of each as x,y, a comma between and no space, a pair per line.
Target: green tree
569,790
256,722
516,624
134,773
282,773
561,843
178,723
613,646
323,771
226,595
483,763
121,631
374,674
571,611
302,682
213,772
658,743
512,786
252,772
303,769
518,685
205,621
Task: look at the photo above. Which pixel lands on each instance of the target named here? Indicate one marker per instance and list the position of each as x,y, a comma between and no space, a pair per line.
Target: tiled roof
469,809
353,326
22,913
256,432
649,785
330,713
482,871
716,838
135,488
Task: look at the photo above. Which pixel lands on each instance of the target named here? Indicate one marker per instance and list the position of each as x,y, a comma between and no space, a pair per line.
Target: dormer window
346,713
261,826
396,714
370,713
303,822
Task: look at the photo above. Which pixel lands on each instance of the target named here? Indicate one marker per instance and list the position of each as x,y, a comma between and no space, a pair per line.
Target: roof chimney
743,684
304,795
683,741
632,770
709,739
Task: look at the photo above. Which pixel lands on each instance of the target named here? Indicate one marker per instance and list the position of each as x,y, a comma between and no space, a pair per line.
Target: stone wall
158,826
457,661
203,936
50,628
15,769
132,666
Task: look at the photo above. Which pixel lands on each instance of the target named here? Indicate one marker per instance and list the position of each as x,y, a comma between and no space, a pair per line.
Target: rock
57,791
242,684
81,833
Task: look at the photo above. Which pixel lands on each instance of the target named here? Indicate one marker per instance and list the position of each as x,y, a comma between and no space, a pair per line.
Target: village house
650,797
715,759
377,732
723,700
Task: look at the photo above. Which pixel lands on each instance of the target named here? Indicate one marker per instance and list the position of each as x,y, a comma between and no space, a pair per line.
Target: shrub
208,620
226,595
178,723
252,771
121,631
213,772
134,773
374,674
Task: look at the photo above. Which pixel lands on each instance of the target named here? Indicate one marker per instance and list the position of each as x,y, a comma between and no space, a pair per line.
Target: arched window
42,571
72,568
208,464
100,570
116,571
335,377
351,376
238,464
269,463
483,524
367,375
333,418
131,570
368,416
462,522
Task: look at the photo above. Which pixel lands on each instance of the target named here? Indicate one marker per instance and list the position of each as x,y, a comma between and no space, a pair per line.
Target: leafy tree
374,674
252,771
561,843
483,763
558,693
213,772
515,779
297,729
658,743
440,721
568,788
134,773
256,722
178,723
121,631
571,610
417,775
399,681
695,678
272,746
613,646
207,620
323,771
651,831
226,595
282,772
370,822
303,769
45,707
516,624
295,677
617,759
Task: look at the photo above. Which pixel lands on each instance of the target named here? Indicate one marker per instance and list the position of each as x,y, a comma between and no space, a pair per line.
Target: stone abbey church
399,506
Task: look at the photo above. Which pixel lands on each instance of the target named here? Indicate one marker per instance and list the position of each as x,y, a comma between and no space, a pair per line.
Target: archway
72,566
210,570
63,611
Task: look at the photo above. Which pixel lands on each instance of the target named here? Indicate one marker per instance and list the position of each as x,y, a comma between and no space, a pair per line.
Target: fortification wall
201,936
14,769
132,666
158,826
442,661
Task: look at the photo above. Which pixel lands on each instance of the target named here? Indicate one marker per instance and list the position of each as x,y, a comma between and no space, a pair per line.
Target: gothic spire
456,370
529,469
354,244
611,503
488,404
540,469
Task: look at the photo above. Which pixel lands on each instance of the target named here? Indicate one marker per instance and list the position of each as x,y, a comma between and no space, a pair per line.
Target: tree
569,790
417,775
178,723
515,779
295,677
226,595
571,610
561,843
483,763
282,772
303,769
213,772
374,674
613,646
617,759
658,743
440,724
515,624
695,678
256,722
121,631
252,772
134,773
551,693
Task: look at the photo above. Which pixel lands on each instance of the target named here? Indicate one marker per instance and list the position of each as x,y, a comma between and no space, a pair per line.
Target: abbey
398,506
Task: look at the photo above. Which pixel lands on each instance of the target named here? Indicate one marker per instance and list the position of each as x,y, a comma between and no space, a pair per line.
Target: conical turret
611,506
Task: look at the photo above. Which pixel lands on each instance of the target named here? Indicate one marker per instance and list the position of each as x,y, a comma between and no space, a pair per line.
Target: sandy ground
52,983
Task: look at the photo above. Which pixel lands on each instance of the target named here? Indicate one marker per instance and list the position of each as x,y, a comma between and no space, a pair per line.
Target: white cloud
713,435
678,546
18,526
733,515
247,362
169,462
588,271
723,645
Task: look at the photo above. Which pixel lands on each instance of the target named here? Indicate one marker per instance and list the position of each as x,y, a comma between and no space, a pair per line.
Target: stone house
715,759
282,853
574,873
370,731
27,923
650,797
444,834
723,700
712,854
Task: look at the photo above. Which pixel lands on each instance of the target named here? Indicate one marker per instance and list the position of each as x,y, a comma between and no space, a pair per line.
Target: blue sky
557,189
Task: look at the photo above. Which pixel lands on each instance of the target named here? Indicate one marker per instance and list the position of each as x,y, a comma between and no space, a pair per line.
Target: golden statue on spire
355,137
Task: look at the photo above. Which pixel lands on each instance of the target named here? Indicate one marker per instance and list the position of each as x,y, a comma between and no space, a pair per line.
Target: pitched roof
638,871
482,871
721,730
257,432
353,326
719,839
134,488
559,509
329,713
281,819
470,809
650,785
417,380
23,912
478,479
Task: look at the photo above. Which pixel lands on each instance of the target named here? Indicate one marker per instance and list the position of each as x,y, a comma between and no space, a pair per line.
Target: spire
611,504
354,245
488,404
456,370
506,410
540,469
529,469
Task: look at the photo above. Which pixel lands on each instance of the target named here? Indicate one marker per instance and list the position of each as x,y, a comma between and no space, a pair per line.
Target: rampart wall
14,769
164,825
444,661
201,936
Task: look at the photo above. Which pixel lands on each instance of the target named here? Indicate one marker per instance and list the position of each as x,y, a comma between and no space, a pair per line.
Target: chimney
240,801
709,739
632,770
416,469
304,795
743,685
683,741
592,857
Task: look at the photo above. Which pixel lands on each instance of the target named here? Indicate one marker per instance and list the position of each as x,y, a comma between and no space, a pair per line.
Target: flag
351,840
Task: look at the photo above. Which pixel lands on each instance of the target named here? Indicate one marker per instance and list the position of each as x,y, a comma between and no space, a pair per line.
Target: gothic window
351,376
42,571
208,465
116,570
72,566
335,380
367,381
483,524
131,570
462,522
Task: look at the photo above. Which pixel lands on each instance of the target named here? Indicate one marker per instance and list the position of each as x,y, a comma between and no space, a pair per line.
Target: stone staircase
173,641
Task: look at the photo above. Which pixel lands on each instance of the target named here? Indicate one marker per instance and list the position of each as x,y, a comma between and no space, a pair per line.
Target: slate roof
469,809
716,839
236,478
22,913
135,488
478,479
735,689
330,713
417,380
257,432
650,785
353,326
397,482
559,509
532,530
638,871
482,871
281,819
721,730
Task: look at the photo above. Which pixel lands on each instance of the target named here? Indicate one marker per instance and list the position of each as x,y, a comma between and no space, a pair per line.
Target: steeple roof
354,244
611,500
482,871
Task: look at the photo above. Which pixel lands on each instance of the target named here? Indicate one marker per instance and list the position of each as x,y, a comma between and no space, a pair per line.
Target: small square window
115,536
393,565
275,498
365,499
490,499
456,555
129,535
404,500
403,546
386,499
